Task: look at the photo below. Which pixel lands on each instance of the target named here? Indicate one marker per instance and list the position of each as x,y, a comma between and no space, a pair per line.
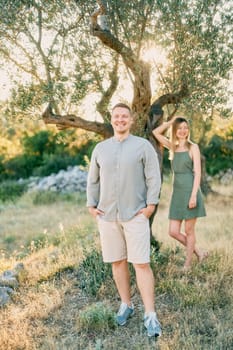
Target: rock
18,269
227,177
5,293
73,179
8,281
223,177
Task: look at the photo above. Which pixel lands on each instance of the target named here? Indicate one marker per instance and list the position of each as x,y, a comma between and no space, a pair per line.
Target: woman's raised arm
158,133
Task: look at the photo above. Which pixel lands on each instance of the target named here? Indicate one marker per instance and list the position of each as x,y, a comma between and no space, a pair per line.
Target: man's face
121,120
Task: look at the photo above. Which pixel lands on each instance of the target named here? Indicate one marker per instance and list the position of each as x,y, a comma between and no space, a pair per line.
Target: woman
186,202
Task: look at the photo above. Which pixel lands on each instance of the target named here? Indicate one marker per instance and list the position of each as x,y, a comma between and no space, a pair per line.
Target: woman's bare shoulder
194,151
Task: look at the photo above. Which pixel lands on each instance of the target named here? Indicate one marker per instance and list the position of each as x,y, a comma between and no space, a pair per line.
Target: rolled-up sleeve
93,182
152,174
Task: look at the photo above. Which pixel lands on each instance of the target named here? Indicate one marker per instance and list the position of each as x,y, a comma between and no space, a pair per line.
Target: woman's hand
192,202
171,121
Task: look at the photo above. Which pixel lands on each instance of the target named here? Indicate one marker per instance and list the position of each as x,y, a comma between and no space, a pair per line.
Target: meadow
67,300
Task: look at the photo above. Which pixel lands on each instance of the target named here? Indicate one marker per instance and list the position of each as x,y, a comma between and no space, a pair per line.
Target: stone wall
74,179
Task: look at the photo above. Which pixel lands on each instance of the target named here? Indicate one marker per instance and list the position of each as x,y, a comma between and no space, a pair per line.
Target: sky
126,92
5,85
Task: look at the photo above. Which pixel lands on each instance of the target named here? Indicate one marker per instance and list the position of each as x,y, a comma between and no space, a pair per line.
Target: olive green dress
182,166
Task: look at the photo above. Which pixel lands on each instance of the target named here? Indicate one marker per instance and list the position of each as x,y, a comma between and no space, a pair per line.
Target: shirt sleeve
152,174
93,181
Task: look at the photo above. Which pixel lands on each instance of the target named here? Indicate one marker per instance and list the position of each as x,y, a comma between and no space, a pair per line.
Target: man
122,192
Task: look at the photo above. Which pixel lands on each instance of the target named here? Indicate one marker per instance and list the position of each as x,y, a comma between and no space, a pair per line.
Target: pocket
99,217
144,216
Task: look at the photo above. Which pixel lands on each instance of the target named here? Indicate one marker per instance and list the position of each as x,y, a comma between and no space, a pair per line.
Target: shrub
39,143
53,163
218,153
10,190
45,153
2,168
49,197
96,317
21,166
93,272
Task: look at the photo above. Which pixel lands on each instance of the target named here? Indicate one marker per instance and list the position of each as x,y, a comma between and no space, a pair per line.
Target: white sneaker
152,325
124,313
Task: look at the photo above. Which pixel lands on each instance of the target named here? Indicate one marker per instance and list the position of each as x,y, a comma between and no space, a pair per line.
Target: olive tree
197,38
69,50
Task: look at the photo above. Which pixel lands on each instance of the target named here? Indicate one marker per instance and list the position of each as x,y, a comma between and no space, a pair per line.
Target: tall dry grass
48,310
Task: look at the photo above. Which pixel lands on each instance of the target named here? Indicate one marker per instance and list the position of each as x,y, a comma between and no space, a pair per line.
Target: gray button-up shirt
123,177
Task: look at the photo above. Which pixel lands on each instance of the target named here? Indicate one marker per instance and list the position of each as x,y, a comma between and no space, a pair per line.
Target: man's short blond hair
122,105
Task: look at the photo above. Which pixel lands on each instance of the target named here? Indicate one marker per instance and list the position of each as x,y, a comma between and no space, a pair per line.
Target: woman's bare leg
190,241
175,232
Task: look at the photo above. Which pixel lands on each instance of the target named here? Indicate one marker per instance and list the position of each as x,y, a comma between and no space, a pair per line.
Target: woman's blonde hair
173,137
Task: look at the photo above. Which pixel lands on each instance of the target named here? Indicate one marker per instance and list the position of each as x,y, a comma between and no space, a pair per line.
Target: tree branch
173,98
141,71
155,117
22,66
72,121
107,94
113,43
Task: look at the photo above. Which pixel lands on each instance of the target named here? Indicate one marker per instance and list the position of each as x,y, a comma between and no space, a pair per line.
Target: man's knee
144,266
119,264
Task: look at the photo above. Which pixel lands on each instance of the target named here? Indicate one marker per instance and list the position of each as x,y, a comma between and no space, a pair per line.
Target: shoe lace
122,309
152,321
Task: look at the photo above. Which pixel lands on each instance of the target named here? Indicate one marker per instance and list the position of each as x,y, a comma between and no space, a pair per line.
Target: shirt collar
116,140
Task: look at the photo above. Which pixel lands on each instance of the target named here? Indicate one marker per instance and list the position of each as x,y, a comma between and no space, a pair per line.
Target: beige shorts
125,240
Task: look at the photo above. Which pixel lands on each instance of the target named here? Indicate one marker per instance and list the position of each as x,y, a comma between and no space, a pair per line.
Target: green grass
92,272
11,190
67,299
96,317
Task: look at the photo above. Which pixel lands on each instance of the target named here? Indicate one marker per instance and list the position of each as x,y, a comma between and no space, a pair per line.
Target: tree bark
205,186
140,70
70,120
